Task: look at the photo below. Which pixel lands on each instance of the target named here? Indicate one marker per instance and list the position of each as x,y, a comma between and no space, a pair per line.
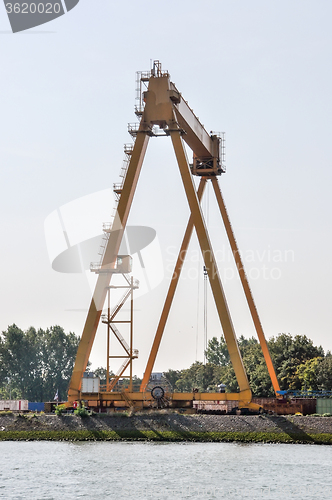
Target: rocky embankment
168,426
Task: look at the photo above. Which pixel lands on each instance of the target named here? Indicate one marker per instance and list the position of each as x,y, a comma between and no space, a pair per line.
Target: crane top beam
195,136
166,108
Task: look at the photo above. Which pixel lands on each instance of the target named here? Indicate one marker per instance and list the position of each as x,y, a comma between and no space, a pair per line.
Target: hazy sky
260,71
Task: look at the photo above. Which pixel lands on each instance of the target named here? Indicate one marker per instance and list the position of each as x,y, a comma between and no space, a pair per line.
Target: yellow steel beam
197,138
244,397
245,285
171,292
210,262
117,377
112,249
212,396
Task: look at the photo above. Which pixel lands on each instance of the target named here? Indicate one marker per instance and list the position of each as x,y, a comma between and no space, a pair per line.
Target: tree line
299,365
35,364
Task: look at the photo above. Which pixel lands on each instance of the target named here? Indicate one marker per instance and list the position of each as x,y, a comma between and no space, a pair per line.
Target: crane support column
245,284
210,262
112,250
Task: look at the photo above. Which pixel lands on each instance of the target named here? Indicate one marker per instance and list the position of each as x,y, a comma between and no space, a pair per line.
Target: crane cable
204,291
197,311
206,279
205,311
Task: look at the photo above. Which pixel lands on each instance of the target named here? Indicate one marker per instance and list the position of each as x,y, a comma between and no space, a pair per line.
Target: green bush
59,410
81,412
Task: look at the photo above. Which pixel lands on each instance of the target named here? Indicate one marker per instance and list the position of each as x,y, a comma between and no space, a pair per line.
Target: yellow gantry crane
161,106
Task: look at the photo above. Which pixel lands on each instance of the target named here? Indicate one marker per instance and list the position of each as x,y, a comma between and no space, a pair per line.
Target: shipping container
90,384
36,406
306,406
323,405
14,404
215,406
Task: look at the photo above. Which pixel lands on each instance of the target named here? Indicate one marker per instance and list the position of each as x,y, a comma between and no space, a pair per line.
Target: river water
147,470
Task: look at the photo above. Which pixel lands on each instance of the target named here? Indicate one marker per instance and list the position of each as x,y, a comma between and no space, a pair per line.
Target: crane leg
111,252
245,284
210,263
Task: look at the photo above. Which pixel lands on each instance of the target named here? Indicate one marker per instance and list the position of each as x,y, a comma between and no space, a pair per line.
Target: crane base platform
107,401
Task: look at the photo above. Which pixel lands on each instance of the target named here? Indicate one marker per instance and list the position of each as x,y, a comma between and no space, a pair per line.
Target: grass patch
170,436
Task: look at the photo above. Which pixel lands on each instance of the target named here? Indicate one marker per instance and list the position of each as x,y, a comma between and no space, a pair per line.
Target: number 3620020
33,8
